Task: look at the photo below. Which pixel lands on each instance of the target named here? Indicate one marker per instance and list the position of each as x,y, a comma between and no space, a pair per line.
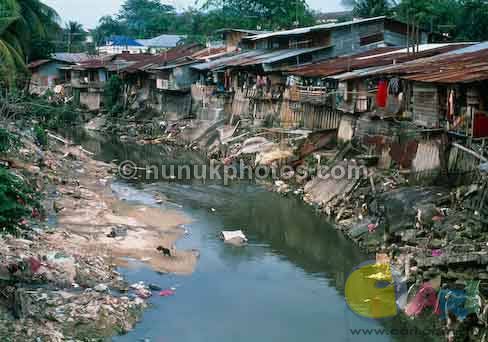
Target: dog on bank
164,251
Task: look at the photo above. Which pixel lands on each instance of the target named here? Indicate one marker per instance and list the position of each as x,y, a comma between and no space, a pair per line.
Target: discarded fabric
426,297
167,293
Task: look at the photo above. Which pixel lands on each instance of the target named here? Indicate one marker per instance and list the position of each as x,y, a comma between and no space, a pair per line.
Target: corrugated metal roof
251,32
322,27
122,41
255,57
38,63
175,65
210,52
461,67
162,41
223,61
174,55
369,59
72,57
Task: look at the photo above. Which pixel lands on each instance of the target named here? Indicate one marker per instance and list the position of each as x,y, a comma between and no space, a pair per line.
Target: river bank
433,234
58,275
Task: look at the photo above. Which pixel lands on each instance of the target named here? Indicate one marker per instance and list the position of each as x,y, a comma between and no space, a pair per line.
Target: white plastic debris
236,237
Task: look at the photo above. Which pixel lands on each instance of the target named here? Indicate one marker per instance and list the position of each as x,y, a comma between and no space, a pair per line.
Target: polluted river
287,284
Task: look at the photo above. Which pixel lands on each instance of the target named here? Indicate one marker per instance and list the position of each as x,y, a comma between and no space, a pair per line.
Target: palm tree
76,35
22,22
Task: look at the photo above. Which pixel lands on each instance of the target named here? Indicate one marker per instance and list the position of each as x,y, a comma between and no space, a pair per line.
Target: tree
75,36
261,14
146,18
108,26
22,23
472,20
369,8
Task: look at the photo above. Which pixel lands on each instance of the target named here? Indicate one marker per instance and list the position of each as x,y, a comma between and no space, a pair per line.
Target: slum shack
412,106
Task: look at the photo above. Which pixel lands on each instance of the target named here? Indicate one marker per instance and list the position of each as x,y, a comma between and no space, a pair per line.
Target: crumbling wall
207,104
401,147
347,127
241,104
92,100
173,105
427,158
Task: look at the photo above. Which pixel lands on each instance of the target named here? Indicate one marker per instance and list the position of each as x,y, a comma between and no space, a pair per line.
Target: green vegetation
457,20
25,26
17,202
8,141
40,135
74,36
17,199
149,18
112,92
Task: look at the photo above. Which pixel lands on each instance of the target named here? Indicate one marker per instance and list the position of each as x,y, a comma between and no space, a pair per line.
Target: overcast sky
89,11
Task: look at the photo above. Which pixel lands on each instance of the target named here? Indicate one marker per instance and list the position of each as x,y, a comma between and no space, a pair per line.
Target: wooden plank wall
309,116
425,105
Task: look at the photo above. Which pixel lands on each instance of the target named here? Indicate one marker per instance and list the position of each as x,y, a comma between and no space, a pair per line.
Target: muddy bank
59,278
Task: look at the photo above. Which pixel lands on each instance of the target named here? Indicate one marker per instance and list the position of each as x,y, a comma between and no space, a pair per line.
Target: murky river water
286,285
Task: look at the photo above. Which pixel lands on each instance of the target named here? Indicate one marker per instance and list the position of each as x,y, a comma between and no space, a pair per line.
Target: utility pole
69,40
296,13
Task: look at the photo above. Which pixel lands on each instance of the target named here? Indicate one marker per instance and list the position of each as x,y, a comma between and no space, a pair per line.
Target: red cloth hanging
382,94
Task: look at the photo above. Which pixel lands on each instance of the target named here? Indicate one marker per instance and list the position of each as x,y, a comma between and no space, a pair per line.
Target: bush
17,202
112,92
8,141
40,135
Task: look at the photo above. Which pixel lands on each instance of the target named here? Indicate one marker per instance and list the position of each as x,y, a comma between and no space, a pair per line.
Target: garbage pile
74,295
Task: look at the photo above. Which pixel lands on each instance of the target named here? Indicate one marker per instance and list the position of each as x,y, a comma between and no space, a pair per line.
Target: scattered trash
437,253
101,288
143,293
426,297
167,293
154,287
236,238
372,227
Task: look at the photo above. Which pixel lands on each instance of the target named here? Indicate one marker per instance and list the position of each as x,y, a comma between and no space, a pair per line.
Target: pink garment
166,293
437,253
372,227
425,298
35,264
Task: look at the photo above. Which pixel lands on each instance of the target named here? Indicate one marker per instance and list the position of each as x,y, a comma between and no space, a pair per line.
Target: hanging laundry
426,297
382,94
450,105
394,87
452,301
